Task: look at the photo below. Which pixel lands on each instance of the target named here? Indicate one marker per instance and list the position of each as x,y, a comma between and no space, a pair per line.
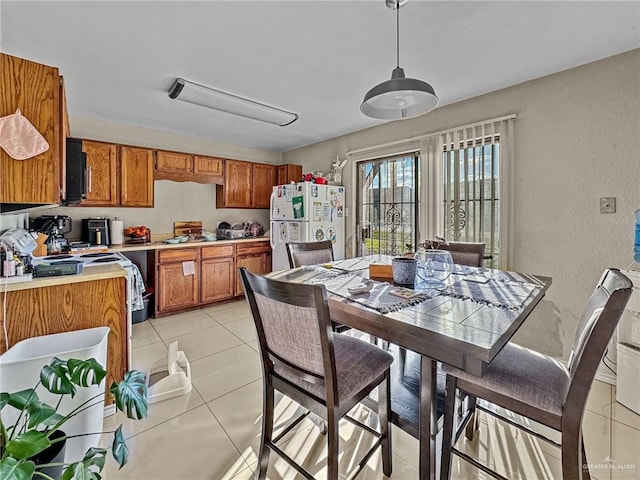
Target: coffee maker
56,227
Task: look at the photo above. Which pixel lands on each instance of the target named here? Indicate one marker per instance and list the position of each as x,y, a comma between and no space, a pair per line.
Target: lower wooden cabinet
218,267
255,257
62,308
177,280
187,278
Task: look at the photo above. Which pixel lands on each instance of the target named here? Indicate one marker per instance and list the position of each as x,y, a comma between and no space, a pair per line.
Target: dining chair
309,253
325,373
540,388
466,253
302,254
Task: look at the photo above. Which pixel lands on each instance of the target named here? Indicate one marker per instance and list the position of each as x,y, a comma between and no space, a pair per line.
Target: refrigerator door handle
273,246
271,198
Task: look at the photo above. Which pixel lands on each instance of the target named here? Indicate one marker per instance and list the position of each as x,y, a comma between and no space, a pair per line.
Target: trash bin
20,369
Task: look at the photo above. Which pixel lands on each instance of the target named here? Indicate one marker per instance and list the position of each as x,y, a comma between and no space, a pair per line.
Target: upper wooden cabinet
209,166
236,191
246,185
288,173
35,89
118,176
136,177
264,178
102,179
184,167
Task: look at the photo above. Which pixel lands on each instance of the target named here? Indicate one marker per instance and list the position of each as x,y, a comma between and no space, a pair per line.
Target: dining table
463,320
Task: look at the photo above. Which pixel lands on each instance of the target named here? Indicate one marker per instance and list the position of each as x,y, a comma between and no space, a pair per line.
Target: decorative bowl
172,241
183,238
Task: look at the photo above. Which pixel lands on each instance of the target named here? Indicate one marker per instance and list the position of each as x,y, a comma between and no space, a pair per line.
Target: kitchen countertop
159,245
90,274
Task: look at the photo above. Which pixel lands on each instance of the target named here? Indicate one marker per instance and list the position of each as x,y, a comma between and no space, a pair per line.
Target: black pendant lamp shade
399,97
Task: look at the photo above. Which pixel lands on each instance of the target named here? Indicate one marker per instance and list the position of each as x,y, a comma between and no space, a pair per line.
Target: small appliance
95,231
56,227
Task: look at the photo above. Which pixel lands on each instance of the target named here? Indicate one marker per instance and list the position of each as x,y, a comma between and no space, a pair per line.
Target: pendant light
399,97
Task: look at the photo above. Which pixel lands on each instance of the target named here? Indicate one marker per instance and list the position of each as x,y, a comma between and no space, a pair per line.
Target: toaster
95,231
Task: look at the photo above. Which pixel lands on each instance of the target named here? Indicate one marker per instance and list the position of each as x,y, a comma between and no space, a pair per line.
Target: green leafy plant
33,431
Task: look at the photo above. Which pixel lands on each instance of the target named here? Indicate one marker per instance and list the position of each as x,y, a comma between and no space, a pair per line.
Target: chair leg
473,425
333,439
267,430
448,432
402,359
572,452
384,407
585,464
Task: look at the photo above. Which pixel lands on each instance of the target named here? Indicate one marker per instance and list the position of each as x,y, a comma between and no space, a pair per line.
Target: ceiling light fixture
227,102
399,97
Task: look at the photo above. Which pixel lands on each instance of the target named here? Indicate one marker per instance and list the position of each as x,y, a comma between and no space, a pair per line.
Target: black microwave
75,172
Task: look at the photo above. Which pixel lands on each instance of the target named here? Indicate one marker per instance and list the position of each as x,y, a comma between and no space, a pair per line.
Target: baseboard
605,375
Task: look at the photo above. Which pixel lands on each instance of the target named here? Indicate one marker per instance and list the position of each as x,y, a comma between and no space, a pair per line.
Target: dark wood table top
458,331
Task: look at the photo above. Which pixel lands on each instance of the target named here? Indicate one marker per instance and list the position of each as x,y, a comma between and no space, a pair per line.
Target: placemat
379,298
502,291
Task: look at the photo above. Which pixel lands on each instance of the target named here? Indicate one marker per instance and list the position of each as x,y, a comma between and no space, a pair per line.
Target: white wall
577,138
173,201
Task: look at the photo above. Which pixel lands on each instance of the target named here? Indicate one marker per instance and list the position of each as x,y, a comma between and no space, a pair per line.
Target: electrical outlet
607,204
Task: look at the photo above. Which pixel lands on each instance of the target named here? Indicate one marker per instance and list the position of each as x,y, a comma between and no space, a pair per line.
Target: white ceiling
316,58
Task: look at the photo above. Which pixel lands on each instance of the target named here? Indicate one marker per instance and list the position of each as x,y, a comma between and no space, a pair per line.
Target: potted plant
39,427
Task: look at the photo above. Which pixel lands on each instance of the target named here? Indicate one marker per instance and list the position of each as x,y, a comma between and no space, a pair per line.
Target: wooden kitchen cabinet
184,167
102,177
255,257
207,166
236,191
136,176
35,89
47,310
264,178
218,273
173,162
176,287
118,175
246,185
288,173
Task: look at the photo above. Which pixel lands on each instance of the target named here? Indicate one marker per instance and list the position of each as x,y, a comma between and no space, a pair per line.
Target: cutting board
186,227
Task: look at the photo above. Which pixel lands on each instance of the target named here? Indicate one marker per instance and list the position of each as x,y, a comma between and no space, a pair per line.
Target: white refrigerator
306,212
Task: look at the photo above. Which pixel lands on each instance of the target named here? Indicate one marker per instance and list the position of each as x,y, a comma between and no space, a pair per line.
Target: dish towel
138,290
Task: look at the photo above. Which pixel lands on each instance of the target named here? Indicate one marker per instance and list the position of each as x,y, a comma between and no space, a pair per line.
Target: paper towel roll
117,232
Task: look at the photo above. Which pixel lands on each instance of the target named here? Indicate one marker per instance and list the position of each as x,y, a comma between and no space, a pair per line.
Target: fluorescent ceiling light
227,102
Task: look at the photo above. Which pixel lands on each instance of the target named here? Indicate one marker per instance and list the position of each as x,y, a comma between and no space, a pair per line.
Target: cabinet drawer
177,255
253,248
218,251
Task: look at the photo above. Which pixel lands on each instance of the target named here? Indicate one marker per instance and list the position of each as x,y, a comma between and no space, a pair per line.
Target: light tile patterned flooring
213,432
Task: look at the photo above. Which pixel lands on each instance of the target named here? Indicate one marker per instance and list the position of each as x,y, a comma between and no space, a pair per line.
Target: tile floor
213,432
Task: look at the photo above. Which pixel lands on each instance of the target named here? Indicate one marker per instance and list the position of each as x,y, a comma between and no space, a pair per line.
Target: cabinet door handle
90,182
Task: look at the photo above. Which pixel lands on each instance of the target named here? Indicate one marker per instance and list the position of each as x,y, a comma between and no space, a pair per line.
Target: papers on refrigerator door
298,207
289,232
294,232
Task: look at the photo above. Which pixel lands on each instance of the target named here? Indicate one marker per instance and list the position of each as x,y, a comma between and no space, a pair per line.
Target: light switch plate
607,204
